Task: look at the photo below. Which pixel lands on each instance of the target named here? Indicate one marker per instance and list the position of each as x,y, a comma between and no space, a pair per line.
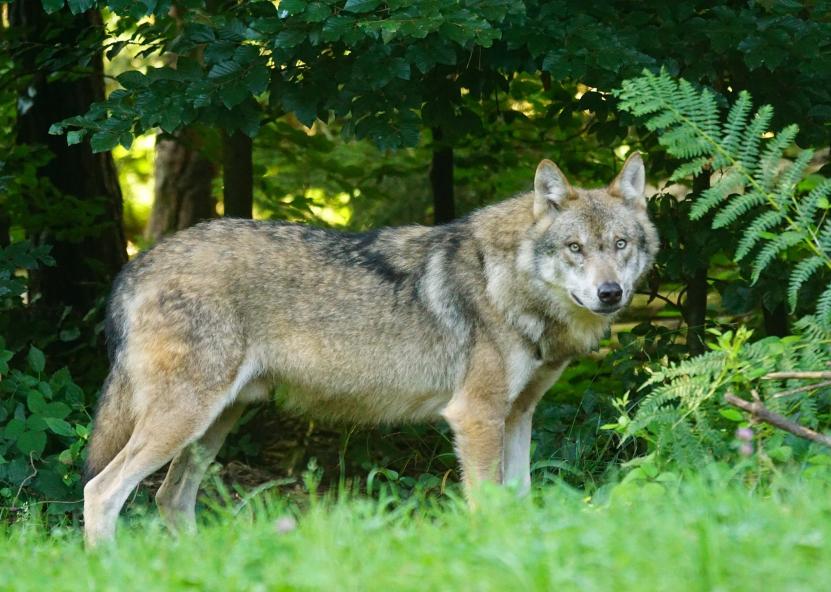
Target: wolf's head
590,247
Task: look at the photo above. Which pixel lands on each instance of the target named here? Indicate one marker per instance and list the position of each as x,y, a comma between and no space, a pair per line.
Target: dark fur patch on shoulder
358,249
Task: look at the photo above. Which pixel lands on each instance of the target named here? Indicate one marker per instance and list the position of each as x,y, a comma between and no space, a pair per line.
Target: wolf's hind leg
176,497
160,433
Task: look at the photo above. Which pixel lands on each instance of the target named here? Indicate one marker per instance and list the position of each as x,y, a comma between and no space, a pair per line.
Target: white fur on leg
517,463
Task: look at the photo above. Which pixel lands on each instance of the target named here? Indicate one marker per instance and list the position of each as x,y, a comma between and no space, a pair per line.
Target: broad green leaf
31,443
226,68
14,428
57,410
361,5
36,359
51,6
104,141
75,137
35,423
79,6
59,426
35,402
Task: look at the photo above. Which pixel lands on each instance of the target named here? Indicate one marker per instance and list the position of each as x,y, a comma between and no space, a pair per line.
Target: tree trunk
237,175
776,320
441,179
695,307
183,180
86,264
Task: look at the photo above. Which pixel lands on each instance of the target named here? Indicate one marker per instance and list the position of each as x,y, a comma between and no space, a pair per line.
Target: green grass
697,536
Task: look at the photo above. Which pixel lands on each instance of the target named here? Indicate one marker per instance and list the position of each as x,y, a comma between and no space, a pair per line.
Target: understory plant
760,184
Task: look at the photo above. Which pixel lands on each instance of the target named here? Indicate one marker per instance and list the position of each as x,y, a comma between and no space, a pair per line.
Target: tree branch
761,413
819,375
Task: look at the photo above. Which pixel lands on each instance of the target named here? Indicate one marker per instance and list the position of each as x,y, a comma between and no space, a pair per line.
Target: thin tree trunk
238,175
183,185
695,306
441,179
84,266
776,320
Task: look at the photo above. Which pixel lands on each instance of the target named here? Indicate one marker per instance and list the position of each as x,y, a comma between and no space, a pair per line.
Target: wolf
472,321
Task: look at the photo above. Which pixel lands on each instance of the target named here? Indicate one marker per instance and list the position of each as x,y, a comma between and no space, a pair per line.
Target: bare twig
798,375
802,389
761,413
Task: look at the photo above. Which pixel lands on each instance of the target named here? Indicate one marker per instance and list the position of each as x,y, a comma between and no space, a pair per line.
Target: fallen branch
761,413
817,375
802,389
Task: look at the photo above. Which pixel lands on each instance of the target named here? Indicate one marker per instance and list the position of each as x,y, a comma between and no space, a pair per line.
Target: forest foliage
361,113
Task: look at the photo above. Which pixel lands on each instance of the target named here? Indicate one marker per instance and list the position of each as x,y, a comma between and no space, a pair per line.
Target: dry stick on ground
802,389
762,413
789,375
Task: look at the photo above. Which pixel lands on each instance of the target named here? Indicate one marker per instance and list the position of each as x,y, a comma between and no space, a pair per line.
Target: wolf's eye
575,247
620,244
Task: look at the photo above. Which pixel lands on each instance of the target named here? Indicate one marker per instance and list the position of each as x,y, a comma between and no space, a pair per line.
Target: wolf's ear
551,188
631,181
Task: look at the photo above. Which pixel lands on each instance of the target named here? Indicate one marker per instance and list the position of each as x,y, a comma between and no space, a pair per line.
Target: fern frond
733,127
773,154
774,246
729,184
738,206
808,206
801,274
752,137
824,309
788,181
762,223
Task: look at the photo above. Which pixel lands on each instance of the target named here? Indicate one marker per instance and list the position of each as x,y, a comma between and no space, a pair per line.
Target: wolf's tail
114,422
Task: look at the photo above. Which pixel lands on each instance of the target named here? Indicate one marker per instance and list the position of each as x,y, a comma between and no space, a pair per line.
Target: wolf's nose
609,292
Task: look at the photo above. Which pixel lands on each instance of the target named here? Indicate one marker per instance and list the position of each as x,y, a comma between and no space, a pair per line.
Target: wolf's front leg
477,416
517,460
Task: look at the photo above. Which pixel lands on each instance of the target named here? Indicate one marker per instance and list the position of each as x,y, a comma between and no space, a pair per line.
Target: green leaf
36,359
59,426
31,443
361,5
79,6
316,12
226,68
103,141
132,80
75,137
289,38
256,81
35,402
732,414
51,6
56,410
35,423
14,428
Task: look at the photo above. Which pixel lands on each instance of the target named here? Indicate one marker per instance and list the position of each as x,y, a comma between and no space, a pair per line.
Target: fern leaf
824,309
752,137
736,122
738,206
721,190
773,154
793,174
762,223
801,273
775,246
808,206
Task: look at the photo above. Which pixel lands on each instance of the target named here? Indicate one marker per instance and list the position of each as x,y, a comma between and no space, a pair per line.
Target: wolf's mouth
599,311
